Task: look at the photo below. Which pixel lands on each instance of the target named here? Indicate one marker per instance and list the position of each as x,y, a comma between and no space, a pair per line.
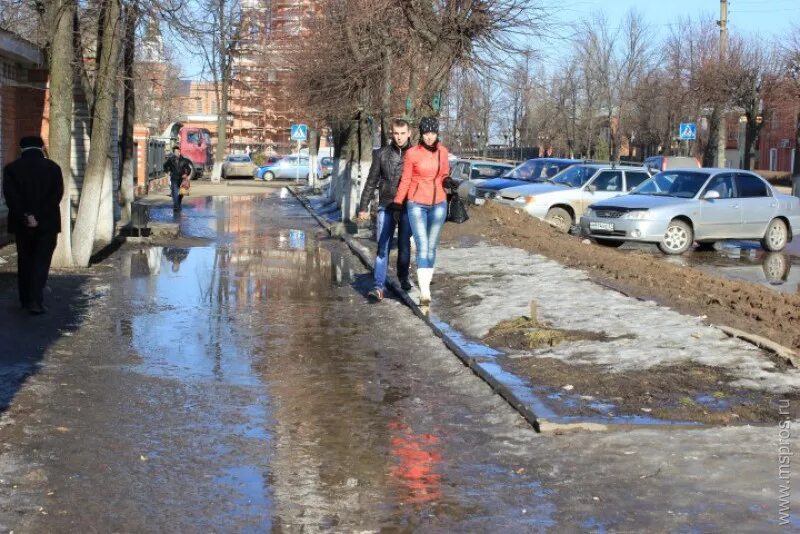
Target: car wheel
559,218
677,239
776,237
610,243
269,176
776,267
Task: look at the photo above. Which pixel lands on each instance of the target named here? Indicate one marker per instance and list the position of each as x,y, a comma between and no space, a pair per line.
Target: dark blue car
533,170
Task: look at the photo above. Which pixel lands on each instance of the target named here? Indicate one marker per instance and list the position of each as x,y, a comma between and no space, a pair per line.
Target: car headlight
589,213
636,215
521,200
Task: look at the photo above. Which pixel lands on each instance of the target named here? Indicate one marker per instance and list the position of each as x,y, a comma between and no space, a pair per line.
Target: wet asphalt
247,385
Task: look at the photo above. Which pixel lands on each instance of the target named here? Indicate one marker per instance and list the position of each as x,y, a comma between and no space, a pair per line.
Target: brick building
24,111
261,103
777,139
22,101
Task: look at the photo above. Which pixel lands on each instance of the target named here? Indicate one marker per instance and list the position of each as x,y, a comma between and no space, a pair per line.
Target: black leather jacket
177,167
384,175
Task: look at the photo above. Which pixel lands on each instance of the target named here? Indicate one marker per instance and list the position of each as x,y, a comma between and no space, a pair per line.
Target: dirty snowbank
500,282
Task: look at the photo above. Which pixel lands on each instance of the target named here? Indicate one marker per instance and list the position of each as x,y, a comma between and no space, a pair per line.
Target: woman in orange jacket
424,170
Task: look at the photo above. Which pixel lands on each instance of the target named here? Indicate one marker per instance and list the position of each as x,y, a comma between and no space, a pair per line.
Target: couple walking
410,180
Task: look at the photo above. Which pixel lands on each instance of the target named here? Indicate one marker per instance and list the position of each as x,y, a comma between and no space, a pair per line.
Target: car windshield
574,176
239,159
682,184
482,171
537,170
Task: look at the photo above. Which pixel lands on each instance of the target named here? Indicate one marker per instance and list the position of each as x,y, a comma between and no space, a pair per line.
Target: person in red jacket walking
421,189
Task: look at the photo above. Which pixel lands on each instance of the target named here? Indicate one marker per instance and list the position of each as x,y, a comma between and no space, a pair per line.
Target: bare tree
60,61
96,181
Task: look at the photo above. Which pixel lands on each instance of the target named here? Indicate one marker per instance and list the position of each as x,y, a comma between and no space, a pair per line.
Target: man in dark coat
384,176
179,168
33,187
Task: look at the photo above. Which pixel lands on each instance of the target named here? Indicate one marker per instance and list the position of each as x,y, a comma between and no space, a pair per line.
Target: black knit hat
31,141
428,125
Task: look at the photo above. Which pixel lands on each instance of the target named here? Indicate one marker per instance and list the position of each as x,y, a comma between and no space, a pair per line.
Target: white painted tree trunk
105,215
60,135
86,224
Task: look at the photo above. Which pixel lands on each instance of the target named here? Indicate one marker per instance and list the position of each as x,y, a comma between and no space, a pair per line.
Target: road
245,384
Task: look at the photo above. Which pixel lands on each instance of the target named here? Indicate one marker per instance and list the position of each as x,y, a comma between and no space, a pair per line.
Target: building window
199,107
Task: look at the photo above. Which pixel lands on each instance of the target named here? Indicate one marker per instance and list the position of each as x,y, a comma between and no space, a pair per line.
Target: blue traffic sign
687,131
299,132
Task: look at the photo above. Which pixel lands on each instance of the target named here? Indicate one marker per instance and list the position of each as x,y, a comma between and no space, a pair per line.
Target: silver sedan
675,208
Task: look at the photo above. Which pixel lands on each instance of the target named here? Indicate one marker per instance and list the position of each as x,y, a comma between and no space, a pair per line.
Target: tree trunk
224,86
127,163
722,141
750,136
105,213
91,193
60,134
386,100
797,148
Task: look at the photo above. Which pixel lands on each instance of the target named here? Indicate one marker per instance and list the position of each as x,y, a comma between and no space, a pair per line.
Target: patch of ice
505,281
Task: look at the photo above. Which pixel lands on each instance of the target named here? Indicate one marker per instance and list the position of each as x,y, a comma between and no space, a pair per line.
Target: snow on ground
507,279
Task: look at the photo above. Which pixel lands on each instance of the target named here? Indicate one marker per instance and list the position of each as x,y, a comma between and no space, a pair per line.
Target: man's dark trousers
34,254
175,191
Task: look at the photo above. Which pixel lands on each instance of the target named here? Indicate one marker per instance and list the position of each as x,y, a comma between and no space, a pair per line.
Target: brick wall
21,109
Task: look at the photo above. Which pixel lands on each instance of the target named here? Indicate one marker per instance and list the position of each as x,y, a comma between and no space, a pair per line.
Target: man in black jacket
384,175
33,187
179,168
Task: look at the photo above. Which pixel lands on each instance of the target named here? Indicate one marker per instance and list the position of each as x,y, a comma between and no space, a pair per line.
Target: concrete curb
474,363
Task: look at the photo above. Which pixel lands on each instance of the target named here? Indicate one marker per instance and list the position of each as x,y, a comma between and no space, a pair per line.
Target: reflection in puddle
418,459
748,262
194,294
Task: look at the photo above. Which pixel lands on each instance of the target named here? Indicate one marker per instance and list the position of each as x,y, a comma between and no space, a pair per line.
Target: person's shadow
24,338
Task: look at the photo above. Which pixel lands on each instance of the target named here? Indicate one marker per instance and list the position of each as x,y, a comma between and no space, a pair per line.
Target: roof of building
14,47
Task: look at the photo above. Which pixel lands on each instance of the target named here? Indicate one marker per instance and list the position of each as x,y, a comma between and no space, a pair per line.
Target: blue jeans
426,223
175,191
386,226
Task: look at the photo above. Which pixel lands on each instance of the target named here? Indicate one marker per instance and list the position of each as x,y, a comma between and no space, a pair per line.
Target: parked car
532,171
563,199
286,168
325,167
469,173
663,163
238,165
676,208
258,174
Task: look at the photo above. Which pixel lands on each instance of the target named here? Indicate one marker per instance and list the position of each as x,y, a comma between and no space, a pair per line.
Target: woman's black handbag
456,210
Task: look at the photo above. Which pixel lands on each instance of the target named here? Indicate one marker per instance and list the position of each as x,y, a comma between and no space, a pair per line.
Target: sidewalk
572,350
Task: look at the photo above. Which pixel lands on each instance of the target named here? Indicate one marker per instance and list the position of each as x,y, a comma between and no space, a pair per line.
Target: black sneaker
376,294
406,285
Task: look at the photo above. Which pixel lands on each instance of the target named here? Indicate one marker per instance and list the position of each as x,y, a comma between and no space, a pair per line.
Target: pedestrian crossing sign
687,131
299,132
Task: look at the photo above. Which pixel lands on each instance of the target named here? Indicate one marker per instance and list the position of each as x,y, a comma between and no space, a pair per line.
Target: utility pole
723,56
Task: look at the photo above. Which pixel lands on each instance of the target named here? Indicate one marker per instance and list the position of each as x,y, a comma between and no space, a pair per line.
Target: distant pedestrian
180,170
424,170
33,186
384,175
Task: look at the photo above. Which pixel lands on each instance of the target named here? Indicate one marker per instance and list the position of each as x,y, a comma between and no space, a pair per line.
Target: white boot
424,277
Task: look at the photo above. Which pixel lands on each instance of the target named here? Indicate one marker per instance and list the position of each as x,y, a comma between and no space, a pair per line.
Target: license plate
608,227
480,201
